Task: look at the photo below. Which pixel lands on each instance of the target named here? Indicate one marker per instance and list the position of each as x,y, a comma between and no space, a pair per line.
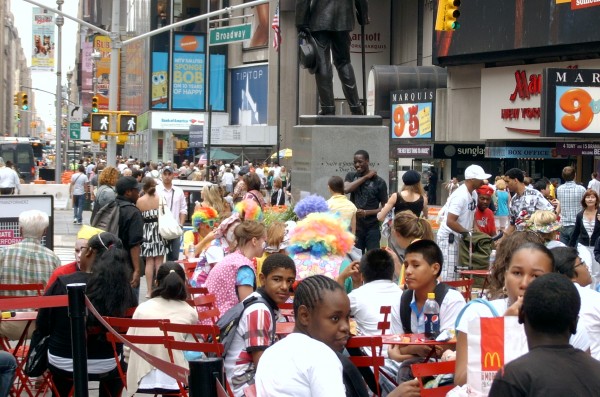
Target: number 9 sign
576,101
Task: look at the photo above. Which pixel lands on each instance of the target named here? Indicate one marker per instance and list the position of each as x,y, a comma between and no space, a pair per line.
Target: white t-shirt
589,317
580,340
463,204
79,180
451,305
366,302
299,366
227,179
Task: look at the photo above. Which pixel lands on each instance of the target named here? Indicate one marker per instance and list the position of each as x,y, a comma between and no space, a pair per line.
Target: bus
20,151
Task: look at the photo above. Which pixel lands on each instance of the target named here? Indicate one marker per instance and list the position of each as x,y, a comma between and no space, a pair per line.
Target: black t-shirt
131,224
368,196
549,371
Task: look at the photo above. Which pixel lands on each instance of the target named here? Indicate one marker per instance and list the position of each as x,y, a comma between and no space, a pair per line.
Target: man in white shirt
594,183
459,218
9,179
175,200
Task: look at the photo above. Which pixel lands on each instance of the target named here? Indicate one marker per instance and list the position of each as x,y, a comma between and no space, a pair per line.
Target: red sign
578,4
7,237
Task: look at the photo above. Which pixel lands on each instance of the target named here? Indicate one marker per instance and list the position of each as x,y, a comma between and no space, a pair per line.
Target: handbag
168,227
474,250
37,356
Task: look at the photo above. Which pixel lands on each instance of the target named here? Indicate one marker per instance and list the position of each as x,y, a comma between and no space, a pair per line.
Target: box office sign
571,103
412,114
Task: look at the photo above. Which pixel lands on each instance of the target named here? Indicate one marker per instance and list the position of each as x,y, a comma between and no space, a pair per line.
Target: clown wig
204,215
310,204
249,210
321,234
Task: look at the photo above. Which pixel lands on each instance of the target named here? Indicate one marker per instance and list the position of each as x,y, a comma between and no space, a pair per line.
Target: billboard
189,68
42,54
412,114
528,29
571,103
102,44
249,93
159,91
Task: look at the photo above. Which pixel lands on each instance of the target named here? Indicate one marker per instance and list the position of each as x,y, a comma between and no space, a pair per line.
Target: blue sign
188,81
217,82
159,80
249,92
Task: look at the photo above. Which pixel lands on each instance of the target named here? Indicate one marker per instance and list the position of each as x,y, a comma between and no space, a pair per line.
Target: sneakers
75,220
80,223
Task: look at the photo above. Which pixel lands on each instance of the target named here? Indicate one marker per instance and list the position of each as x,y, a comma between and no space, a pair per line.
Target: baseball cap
87,232
167,169
476,172
125,183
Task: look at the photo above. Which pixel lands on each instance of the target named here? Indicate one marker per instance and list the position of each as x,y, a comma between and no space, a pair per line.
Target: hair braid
309,291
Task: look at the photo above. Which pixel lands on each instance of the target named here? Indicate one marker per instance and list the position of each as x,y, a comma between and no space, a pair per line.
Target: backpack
440,291
228,323
107,217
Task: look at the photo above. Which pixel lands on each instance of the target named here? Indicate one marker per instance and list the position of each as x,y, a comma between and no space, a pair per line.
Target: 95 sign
576,109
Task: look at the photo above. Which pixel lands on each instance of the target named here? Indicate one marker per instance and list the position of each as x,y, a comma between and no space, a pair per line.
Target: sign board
100,122
570,106
230,34
75,130
196,138
75,113
412,114
127,124
95,147
175,121
10,209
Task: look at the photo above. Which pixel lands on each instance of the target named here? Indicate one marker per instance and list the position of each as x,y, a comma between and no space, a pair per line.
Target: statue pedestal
324,146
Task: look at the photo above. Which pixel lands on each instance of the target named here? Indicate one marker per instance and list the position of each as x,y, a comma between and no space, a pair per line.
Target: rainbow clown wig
249,210
310,204
204,215
321,234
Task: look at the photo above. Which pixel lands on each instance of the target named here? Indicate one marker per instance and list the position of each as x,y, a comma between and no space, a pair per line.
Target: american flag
275,27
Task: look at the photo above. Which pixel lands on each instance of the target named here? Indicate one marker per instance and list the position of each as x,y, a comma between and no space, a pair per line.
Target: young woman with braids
109,290
307,359
168,300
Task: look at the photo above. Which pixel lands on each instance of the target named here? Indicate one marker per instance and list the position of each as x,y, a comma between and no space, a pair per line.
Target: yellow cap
431,295
87,232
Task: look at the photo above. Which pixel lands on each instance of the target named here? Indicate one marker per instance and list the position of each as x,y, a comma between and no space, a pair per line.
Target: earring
504,290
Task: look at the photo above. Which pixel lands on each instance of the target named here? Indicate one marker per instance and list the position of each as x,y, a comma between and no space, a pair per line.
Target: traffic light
122,138
447,15
95,136
94,104
18,116
17,101
24,103
127,123
100,123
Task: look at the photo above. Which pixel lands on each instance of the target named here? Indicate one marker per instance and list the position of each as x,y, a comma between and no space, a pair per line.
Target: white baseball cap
476,172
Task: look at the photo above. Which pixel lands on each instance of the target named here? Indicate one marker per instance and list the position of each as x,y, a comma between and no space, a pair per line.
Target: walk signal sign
127,123
100,123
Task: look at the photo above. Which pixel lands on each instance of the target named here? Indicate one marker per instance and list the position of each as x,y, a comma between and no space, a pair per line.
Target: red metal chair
465,286
287,311
373,358
431,369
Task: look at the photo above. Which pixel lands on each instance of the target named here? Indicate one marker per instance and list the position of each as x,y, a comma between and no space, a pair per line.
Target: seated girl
168,301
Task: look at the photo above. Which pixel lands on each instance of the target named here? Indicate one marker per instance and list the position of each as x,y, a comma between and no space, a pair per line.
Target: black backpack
107,217
228,323
440,291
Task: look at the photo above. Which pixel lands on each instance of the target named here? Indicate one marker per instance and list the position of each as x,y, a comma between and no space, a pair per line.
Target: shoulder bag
168,227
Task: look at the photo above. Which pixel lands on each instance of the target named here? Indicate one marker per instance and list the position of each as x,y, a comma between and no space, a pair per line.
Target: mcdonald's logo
491,361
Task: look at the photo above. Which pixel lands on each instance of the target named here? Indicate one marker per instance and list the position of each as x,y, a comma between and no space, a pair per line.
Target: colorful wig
204,215
249,210
321,234
310,204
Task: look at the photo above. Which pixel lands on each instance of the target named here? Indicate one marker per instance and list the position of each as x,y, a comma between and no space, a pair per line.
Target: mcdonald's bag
492,343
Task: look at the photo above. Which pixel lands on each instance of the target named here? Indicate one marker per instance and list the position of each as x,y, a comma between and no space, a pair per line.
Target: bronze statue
330,23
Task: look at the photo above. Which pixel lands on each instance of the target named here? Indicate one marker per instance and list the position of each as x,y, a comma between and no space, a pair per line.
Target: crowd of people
333,264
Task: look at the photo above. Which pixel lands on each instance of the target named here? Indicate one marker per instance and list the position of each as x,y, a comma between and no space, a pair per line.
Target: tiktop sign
571,103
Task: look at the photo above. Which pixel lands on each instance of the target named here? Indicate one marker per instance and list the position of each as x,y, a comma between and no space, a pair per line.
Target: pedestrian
459,218
174,199
9,180
569,195
368,191
503,203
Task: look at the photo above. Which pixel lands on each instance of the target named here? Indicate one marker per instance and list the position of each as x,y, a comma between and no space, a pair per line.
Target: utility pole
113,88
58,152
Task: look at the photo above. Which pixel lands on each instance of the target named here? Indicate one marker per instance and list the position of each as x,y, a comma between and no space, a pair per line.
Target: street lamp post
58,159
68,136
96,56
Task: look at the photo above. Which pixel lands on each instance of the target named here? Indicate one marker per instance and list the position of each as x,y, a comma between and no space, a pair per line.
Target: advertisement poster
102,45
135,70
159,80
188,81
412,114
249,91
260,26
42,54
218,66
571,103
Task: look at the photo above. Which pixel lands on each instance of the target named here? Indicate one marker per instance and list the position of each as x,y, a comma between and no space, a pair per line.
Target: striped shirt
26,262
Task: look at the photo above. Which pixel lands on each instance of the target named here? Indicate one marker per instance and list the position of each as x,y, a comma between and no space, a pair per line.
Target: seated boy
423,262
256,329
552,367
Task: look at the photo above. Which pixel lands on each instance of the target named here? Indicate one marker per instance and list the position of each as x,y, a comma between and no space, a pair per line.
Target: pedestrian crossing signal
24,102
100,123
127,123
94,104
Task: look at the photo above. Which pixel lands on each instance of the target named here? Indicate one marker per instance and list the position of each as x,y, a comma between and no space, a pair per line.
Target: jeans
78,200
8,365
175,246
565,234
367,237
